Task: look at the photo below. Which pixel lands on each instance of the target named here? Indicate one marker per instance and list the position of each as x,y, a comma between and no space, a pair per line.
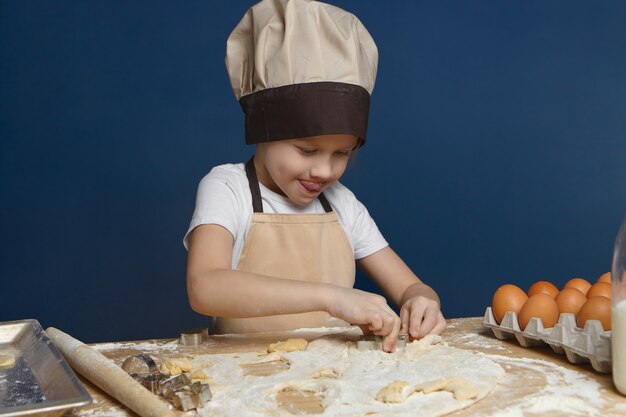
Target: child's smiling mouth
312,186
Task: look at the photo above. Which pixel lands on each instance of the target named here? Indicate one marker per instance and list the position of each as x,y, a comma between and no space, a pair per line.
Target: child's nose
322,169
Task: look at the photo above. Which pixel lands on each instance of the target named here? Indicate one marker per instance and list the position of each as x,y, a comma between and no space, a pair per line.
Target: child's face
300,169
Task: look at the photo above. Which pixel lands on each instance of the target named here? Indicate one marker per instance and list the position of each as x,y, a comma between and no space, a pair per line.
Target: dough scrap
395,393
325,373
272,357
461,388
7,360
424,343
289,345
432,386
175,366
199,375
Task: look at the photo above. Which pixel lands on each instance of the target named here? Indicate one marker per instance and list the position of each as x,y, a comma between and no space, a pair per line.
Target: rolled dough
325,373
289,345
331,372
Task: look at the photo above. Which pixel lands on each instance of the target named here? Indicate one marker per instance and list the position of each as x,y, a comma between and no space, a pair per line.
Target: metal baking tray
40,383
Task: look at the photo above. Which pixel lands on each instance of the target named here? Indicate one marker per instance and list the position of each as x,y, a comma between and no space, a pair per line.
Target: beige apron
305,247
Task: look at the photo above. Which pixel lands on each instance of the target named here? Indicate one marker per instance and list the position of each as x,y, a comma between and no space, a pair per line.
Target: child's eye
305,151
342,153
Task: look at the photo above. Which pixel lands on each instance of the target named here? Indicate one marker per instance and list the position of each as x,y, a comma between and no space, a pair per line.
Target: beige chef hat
301,68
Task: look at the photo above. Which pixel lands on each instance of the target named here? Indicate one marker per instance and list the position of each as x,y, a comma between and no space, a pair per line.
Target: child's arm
420,308
215,289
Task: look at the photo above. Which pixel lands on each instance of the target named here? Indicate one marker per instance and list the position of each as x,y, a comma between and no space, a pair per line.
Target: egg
544,287
596,308
542,306
606,277
600,289
570,300
508,297
580,284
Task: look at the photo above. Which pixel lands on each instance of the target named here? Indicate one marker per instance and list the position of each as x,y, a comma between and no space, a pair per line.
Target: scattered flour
566,391
472,340
141,346
326,330
362,375
340,329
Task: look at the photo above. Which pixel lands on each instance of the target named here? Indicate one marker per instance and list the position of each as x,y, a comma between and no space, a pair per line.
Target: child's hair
359,142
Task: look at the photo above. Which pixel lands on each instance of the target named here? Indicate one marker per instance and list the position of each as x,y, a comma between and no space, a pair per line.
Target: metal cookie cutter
194,337
177,389
372,342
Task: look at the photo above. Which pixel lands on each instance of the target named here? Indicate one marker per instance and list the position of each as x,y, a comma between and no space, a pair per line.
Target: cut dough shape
175,366
395,393
325,373
7,360
461,388
268,365
289,345
301,401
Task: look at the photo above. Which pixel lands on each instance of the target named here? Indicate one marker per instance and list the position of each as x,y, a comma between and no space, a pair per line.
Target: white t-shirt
224,198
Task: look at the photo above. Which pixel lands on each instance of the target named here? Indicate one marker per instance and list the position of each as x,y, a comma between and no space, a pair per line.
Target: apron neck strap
255,190
327,207
253,182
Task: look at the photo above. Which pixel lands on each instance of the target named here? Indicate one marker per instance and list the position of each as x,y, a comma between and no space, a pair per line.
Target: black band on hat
307,109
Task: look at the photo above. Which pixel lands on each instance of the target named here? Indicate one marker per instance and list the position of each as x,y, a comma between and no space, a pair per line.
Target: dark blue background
496,152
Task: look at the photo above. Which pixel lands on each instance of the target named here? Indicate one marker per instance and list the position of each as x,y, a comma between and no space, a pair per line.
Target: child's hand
369,311
421,316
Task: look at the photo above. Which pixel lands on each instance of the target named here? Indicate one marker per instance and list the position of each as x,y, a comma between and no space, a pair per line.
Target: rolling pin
100,370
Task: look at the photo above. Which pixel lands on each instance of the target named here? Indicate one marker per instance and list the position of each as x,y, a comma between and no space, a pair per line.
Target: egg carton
588,345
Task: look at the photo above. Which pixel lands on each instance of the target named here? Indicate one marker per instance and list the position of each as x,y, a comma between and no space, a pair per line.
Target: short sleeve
218,201
367,237
363,233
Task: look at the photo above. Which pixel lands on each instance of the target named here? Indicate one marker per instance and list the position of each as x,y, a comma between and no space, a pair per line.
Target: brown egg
542,306
600,289
508,297
596,308
544,287
569,300
580,284
606,277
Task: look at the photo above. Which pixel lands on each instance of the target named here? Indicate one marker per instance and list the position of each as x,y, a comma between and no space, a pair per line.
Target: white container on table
618,313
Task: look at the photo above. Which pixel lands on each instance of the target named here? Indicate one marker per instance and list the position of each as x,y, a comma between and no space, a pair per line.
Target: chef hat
301,68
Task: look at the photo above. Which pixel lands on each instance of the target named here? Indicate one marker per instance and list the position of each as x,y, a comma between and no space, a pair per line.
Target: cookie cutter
374,342
194,337
178,389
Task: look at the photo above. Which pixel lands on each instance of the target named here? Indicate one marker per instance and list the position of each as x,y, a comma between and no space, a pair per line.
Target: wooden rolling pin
100,370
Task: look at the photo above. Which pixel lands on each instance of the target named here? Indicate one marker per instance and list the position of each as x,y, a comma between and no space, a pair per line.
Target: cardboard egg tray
591,344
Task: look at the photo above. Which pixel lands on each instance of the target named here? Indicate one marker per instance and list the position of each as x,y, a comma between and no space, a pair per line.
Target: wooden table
535,376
